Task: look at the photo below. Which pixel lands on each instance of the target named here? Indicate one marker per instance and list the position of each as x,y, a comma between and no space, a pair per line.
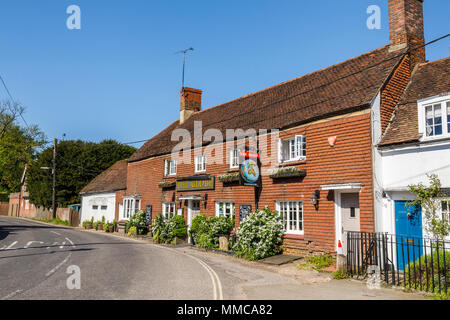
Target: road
36,261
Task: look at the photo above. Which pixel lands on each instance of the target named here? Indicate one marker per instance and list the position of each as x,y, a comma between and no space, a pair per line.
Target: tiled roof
112,179
430,79
334,90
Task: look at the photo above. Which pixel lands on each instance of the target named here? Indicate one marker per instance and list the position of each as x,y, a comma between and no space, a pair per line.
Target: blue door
408,229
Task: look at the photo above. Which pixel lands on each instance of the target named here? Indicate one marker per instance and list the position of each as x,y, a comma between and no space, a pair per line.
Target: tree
18,146
430,199
77,163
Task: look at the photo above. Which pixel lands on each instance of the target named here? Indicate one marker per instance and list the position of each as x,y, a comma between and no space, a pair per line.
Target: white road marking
54,244
56,233
12,294
217,285
62,246
11,245
73,245
31,242
58,266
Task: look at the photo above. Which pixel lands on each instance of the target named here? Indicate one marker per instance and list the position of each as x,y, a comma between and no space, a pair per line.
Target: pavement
43,261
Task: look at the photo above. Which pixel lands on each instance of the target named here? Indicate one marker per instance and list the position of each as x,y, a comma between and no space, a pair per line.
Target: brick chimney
406,27
191,102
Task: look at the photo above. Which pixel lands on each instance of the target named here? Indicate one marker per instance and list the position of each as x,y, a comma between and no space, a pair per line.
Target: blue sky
118,76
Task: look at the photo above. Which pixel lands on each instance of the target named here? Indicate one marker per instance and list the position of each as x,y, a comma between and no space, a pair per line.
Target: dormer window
434,117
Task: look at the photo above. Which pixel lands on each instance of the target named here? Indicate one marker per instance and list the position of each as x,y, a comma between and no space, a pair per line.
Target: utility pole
55,141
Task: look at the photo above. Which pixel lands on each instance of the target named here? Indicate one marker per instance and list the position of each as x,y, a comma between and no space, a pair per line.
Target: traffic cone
339,251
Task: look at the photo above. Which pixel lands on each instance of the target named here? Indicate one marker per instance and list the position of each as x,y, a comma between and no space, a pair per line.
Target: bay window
130,206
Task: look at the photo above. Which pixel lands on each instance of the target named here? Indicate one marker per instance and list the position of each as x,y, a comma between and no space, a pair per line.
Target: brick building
321,128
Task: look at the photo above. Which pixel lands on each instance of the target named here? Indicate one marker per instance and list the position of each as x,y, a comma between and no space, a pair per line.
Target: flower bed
166,184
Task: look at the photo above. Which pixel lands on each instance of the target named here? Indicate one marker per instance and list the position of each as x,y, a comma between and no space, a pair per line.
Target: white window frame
170,167
166,209
283,208
200,163
232,207
234,158
447,211
130,206
444,101
296,149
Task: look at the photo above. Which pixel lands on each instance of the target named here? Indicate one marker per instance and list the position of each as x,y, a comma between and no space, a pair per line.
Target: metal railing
418,263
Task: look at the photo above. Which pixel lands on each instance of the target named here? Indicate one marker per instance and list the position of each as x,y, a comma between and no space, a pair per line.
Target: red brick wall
349,161
393,90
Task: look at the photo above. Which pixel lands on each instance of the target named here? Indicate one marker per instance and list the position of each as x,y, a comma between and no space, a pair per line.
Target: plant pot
100,227
110,229
88,225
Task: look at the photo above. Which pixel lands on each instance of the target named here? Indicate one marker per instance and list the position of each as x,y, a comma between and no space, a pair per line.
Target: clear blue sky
118,76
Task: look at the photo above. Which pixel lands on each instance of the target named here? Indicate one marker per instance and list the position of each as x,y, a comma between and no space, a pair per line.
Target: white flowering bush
259,235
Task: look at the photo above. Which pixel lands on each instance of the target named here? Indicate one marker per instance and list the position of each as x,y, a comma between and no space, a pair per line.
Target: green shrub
132,231
423,275
95,225
165,230
84,224
137,220
259,235
206,232
339,275
319,262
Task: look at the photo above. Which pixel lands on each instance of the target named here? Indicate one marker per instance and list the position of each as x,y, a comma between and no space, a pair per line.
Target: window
292,149
94,207
168,209
291,213
434,115
225,209
448,117
200,163
433,118
104,207
445,210
234,158
130,205
170,167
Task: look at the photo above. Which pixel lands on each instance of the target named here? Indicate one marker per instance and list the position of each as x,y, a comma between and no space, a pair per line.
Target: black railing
418,263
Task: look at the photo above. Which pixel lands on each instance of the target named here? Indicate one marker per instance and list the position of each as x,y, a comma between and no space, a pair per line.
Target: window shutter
165,168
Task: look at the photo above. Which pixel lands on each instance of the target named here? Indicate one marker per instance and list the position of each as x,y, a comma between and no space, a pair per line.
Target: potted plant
90,223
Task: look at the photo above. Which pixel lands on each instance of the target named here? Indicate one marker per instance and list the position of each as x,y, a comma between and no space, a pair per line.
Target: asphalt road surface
41,261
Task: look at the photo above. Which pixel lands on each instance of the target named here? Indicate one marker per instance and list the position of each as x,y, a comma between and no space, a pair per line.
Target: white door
193,210
349,217
121,217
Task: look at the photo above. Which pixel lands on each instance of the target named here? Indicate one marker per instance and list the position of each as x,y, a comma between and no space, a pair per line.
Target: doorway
193,210
408,230
347,217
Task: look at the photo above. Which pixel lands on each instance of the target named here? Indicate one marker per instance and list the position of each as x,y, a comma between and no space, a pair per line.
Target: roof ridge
292,80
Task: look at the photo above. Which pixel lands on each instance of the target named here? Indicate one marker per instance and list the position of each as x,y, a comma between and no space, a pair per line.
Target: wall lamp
315,198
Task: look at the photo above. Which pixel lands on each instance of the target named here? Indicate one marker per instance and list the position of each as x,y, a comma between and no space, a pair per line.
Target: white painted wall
100,199
403,166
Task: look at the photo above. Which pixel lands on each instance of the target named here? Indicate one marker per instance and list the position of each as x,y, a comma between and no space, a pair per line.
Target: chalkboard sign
148,214
244,211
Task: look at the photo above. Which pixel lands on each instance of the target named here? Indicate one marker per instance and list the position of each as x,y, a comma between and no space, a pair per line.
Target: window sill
292,163
294,236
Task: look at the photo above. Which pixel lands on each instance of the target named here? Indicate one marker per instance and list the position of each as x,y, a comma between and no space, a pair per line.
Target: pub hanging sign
249,168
